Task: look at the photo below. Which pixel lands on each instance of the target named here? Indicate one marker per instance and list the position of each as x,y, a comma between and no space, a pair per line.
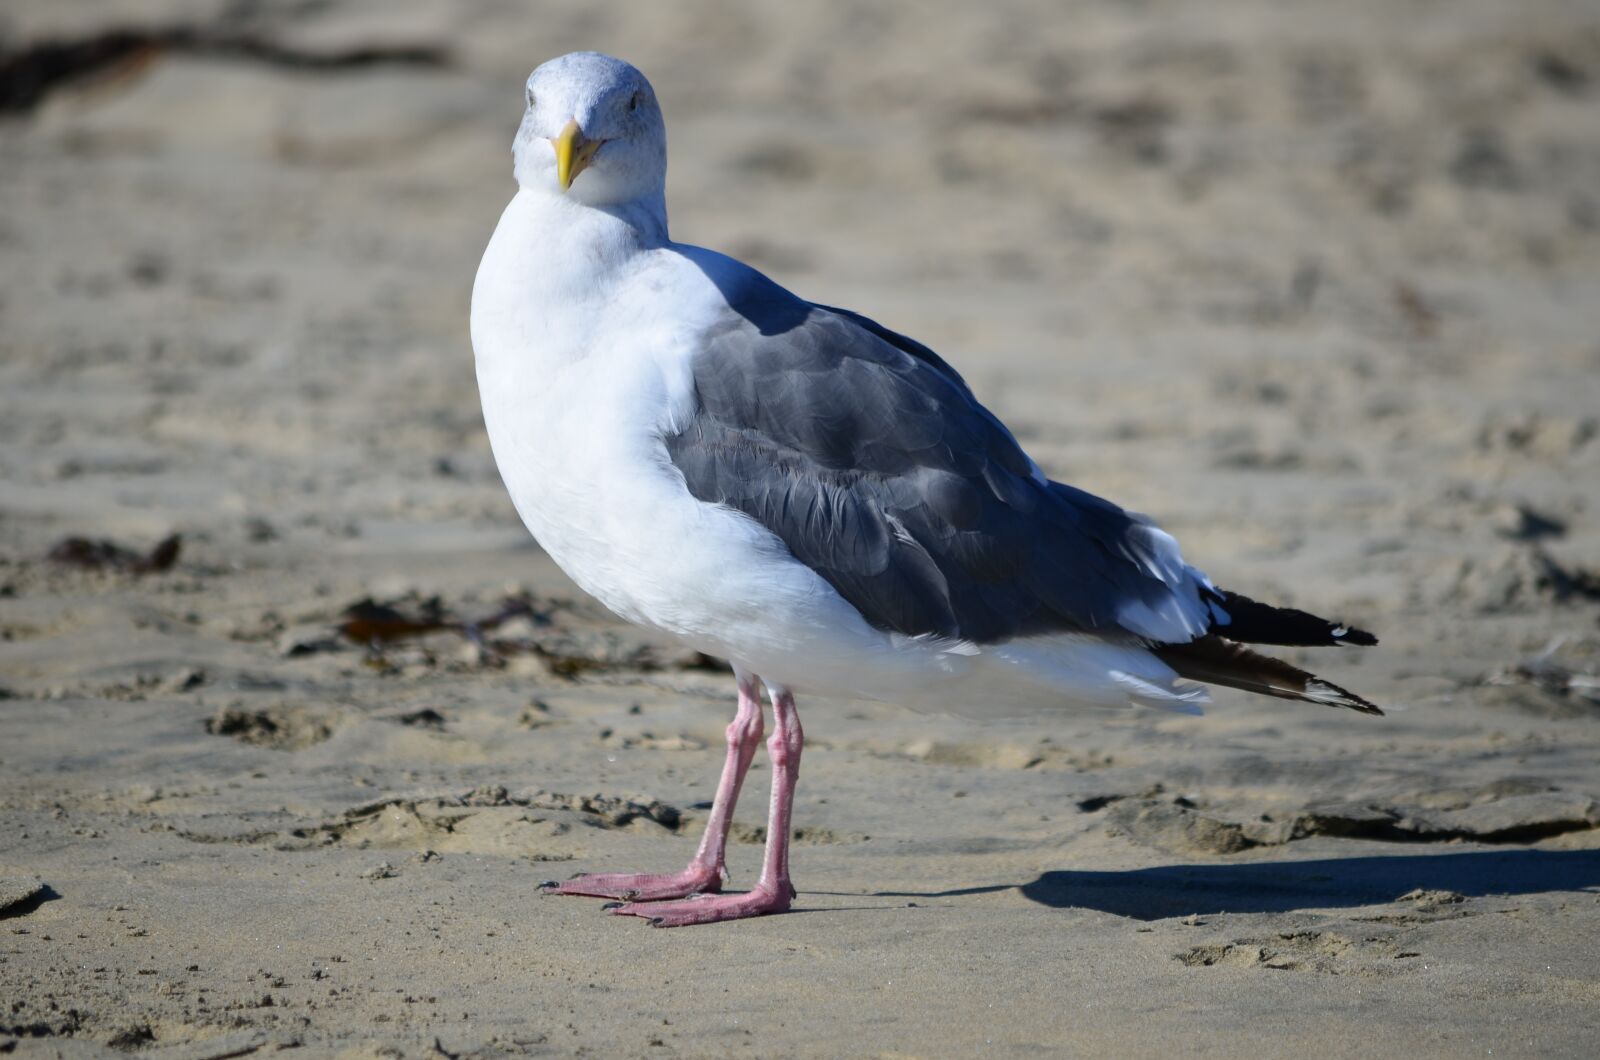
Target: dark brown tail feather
1253,622
1219,662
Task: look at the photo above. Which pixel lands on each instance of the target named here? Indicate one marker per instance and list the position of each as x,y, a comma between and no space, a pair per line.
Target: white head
592,130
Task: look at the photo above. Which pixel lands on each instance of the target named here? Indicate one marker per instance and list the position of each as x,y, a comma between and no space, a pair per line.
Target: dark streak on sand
29,74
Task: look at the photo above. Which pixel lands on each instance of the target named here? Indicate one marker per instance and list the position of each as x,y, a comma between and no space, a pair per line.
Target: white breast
583,367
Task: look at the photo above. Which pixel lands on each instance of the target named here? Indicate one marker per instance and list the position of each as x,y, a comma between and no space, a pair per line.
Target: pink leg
708,868
774,892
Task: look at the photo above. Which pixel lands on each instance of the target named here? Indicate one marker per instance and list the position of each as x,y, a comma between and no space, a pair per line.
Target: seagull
800,490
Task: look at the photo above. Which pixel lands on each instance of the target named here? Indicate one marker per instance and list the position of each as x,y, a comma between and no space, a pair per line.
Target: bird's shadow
1281,886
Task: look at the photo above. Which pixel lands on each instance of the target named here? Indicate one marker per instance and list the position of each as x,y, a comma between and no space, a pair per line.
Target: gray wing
872,461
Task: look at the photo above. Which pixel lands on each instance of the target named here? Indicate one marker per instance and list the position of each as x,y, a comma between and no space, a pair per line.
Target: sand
1318,287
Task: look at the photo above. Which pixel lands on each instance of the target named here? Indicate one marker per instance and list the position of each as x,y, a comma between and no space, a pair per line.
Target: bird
802,491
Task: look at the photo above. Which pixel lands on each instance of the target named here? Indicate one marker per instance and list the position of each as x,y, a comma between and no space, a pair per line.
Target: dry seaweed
105,554
29,74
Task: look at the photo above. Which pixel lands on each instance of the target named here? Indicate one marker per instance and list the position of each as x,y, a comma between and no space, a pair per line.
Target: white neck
551,262
640,224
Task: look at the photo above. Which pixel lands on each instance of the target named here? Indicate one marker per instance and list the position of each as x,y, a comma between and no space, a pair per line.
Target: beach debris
425,718
105,554
610,811
1518,522
527,630
1518,577
1426,899
259,531
1420,316
1560,72
281,728
28,75
370,622
127,1037
1136,128
536,715
1547,675
1536,435
1484,162
308,640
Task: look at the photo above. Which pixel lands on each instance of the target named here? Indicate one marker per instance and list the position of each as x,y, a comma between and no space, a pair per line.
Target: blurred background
1289,277
1317,286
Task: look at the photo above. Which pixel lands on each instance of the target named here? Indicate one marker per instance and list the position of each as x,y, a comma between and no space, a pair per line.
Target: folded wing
873,462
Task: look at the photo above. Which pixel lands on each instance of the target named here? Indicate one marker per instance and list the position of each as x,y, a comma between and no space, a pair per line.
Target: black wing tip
1359,638
1215,660
1253,622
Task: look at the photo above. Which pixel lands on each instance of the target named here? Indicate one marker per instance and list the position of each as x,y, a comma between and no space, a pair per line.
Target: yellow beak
574,152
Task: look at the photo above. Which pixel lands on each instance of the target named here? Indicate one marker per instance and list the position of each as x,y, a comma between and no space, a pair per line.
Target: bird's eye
530,97
633,104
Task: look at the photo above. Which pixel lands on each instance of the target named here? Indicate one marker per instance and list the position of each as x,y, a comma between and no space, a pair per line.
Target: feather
1219,662
1252,622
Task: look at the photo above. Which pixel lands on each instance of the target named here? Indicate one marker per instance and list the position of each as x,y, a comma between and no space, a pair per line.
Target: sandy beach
1316,287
